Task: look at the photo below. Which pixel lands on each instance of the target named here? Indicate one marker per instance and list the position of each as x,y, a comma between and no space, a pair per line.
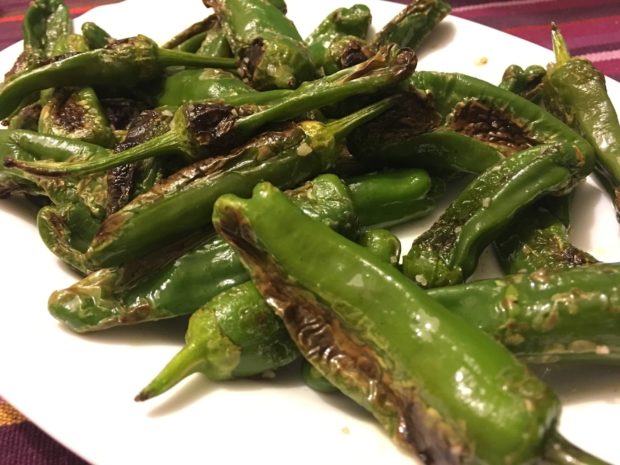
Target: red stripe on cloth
592,34
74,11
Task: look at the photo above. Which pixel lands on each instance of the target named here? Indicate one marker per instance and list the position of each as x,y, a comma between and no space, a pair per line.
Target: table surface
591,27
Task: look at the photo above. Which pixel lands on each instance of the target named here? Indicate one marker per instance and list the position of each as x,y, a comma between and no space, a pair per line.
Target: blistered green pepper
575,91
448,252
463,398
121,63
95,36
413,24
527,83
339,41
271,52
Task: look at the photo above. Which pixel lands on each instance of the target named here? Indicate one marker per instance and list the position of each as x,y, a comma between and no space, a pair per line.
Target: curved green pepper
204,129
121,63
95,36
452,121
575,91
439,386
448,252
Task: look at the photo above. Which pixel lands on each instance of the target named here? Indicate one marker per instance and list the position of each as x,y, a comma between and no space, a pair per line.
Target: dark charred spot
249,58
353,54
347,361
477,120
413,114
211,125
120,111
121,180
67,112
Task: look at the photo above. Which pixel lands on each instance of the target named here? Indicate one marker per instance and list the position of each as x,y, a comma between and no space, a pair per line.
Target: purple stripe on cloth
25,444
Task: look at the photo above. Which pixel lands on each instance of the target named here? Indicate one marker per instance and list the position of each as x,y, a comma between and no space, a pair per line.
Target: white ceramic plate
80,389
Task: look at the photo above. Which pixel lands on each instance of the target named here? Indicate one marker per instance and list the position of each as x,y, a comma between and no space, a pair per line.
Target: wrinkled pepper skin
272,54
545,316
575,91
456,122
75,113
462,399
339,40
448,252
538,239
413,24
121,63
134,294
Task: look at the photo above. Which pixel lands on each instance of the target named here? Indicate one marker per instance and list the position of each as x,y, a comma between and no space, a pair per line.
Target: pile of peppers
219,175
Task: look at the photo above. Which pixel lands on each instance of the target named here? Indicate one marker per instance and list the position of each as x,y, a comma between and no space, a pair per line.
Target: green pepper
545,316
336,44
538,239
413,24
179,285
121,63
75,113
44,22
455,122
180,40
202,129
575,91
193,85
448,252
95,36
270,50
528,82
441,387
409,194
383,243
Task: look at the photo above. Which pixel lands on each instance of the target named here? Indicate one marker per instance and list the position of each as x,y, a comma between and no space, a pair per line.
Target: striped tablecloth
591,27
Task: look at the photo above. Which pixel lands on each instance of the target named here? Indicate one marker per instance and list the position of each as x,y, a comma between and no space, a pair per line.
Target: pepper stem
340,128
190,359
560,451
562,55
168,57
167,143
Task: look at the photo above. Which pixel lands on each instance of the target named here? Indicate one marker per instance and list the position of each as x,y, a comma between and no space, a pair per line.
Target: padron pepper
95,36
204,129
545,316
271,52
575,91
339,41
441,388
240,324
413,24
175,281
448,252
455,122
527,83
120,63
538,239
